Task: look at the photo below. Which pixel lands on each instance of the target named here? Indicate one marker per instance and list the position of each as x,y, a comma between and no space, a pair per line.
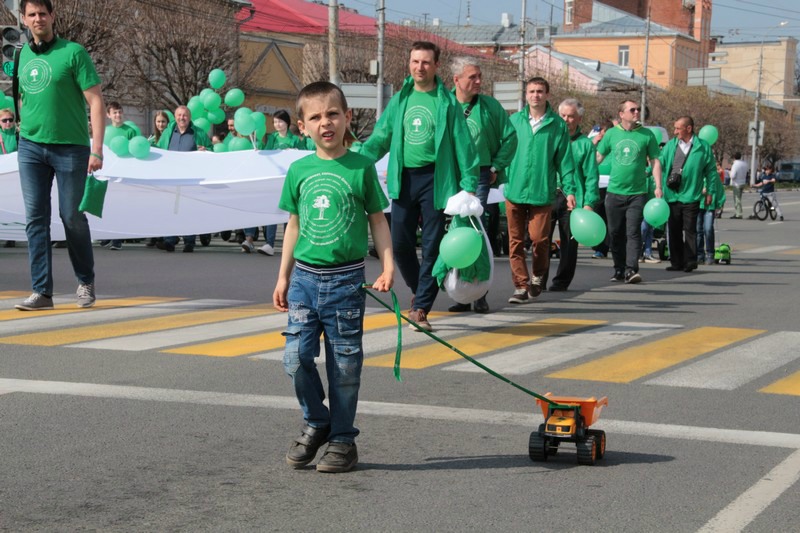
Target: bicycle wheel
773,213
760,210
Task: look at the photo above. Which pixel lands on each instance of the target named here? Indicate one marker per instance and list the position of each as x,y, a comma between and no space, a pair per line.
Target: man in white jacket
738,180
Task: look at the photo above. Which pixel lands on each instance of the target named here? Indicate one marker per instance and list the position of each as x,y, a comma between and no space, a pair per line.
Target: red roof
310,18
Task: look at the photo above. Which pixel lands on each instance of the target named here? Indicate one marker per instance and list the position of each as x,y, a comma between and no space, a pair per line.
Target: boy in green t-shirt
331,196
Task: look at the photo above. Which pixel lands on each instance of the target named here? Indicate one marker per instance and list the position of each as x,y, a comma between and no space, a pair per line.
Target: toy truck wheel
537,447
587,451
600,441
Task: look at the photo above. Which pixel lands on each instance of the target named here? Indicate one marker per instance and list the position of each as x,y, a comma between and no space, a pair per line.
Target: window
568,5
624,56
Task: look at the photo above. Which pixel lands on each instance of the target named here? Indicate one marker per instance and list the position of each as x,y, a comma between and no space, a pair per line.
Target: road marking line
266,341
766,249
733,368
474,345
560,350
528,420
737,515
5,295
789,385
132,327
639,361
100,305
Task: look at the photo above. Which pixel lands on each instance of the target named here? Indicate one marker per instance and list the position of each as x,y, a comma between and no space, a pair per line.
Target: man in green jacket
631,147
690,167
543,153
431,158
494,137
587,192
182,136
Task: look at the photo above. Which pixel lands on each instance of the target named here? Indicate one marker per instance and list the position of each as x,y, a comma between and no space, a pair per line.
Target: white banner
170,193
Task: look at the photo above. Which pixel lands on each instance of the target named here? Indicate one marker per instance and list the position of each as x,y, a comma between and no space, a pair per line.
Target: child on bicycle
331,196
767,182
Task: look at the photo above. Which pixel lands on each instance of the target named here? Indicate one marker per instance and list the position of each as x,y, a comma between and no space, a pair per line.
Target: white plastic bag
465,291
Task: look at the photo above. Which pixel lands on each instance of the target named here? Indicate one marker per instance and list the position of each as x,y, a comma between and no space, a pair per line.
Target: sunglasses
6,120
635,109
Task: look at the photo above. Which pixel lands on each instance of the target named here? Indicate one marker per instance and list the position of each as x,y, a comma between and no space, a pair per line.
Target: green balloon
139,147
204,93
110,135
234,98
244,124
119,145
196,107
220,148
202,124
259,117
656,212
170,115
212,100
461,247
9,103
216,116
587,227
242,111
709,134
133,125
216,78
239,143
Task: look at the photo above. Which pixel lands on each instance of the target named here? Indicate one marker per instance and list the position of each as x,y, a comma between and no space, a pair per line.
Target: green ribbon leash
483,367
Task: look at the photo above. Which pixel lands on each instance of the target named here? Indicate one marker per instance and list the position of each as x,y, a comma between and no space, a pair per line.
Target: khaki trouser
536,219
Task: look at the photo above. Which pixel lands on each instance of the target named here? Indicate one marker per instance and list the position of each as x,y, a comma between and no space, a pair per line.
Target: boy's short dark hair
318,89
538,80
427,45
113,105
23,5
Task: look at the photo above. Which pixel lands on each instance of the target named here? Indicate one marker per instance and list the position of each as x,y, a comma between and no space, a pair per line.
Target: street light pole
756,125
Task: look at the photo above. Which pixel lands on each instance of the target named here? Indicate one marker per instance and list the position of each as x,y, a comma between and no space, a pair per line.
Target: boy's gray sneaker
86,295
338,457
36,302
304,448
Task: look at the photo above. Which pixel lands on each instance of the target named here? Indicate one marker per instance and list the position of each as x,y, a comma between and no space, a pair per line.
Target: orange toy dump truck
567,419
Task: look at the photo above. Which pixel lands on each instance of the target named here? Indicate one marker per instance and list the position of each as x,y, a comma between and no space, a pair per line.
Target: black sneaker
304,448
520,296
338,457
618,276
633,277
459,308
536,286
481,305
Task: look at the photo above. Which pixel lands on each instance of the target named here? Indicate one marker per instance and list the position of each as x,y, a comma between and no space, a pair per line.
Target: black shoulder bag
674,178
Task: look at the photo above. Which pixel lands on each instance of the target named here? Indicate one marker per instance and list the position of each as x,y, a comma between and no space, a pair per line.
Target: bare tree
171,47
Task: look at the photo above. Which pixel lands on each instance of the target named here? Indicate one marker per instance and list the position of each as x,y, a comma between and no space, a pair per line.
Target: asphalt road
166,408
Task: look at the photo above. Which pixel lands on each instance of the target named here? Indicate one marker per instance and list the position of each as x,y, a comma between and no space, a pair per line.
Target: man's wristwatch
492,169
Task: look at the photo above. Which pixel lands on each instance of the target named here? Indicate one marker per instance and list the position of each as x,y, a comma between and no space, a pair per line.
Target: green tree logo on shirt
36,76
626,152
418,125
327,209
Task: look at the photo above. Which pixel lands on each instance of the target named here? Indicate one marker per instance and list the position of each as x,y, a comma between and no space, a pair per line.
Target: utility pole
753,152
522,22
333,33
381,35
644,71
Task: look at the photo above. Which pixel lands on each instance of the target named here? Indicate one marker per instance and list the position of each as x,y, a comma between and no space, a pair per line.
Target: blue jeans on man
705,235
415,201
332,305
38,164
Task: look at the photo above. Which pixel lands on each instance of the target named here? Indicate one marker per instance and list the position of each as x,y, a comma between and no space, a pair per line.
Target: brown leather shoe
304,448
421,318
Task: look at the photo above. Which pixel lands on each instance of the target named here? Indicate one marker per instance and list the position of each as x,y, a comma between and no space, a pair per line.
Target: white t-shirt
739,173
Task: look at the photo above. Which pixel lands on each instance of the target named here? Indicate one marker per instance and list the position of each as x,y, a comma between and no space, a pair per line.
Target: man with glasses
631,146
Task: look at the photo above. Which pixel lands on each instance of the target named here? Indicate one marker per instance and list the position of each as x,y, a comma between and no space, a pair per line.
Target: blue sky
734,19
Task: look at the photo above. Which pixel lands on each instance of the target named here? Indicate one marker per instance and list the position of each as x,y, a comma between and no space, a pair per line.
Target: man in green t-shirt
424,129
494,137
56,79
632,147
117,128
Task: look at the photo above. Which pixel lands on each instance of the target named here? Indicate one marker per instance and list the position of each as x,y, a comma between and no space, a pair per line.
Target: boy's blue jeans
331,306
38,164
705,235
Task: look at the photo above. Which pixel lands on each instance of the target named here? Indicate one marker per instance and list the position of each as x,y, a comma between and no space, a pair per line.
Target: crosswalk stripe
789,385
272,340
447,326
131,327
476,344
733,368
193,334
5,295
639,361
111,303
553,352
766,249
